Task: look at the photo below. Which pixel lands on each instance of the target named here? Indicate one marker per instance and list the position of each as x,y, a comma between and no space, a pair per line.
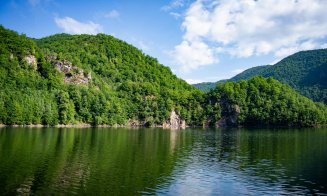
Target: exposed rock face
78,78
64,66
31,60
73,74
230,115
174,122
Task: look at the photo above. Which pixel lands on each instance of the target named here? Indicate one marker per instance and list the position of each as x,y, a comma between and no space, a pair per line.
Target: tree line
128,85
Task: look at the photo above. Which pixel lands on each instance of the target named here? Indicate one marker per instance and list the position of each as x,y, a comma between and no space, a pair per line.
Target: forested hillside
304,71
100,80
87,79
262,102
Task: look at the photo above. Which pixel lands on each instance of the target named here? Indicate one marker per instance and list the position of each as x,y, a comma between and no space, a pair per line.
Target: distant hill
249,73
304,71
206,86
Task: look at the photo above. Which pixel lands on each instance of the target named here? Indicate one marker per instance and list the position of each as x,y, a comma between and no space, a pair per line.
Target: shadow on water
154,161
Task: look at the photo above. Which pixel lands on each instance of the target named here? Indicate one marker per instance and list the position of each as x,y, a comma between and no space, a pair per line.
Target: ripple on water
148,162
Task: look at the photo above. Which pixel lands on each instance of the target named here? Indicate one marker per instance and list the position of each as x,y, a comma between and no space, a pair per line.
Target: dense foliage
265,102
125,86
305,71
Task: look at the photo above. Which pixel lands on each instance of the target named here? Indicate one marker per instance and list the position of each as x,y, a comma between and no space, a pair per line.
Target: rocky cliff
29,59
174,122
73,74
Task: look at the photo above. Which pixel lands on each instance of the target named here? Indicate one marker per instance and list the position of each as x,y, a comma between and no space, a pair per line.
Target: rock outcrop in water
174,122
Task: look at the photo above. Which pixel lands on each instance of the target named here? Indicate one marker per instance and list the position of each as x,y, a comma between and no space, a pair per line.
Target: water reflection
156,161
226,162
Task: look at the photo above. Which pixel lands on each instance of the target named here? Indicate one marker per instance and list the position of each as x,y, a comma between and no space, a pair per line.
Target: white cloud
308,45
112,14
192,55
173,5
193,81
175,15
72,26
245,28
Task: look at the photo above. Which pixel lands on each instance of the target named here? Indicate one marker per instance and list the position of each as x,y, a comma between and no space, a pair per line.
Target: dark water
163,162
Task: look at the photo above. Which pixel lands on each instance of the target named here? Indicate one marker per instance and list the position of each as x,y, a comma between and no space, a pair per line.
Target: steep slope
87,79
305,71
262,102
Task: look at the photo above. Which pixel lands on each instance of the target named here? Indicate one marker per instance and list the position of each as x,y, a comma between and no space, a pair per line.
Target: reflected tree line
292,157
136,161
85,161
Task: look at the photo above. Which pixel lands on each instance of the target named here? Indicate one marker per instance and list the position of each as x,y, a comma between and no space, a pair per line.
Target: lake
107,161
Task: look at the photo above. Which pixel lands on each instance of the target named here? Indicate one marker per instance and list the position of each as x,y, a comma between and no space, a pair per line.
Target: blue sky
200,40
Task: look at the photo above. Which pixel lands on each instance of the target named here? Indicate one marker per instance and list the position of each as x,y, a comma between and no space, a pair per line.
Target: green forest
305,71
101,80
263,102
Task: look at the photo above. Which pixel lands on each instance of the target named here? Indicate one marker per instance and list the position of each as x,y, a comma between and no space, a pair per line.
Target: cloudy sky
200,40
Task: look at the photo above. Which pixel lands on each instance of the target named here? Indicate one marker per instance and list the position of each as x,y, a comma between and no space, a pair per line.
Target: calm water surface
164,162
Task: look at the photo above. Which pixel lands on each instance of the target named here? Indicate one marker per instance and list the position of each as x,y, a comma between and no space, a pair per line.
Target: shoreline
83,126
64,126
142,126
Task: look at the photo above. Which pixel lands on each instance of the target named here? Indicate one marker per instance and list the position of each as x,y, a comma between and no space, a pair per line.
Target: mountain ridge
305,71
